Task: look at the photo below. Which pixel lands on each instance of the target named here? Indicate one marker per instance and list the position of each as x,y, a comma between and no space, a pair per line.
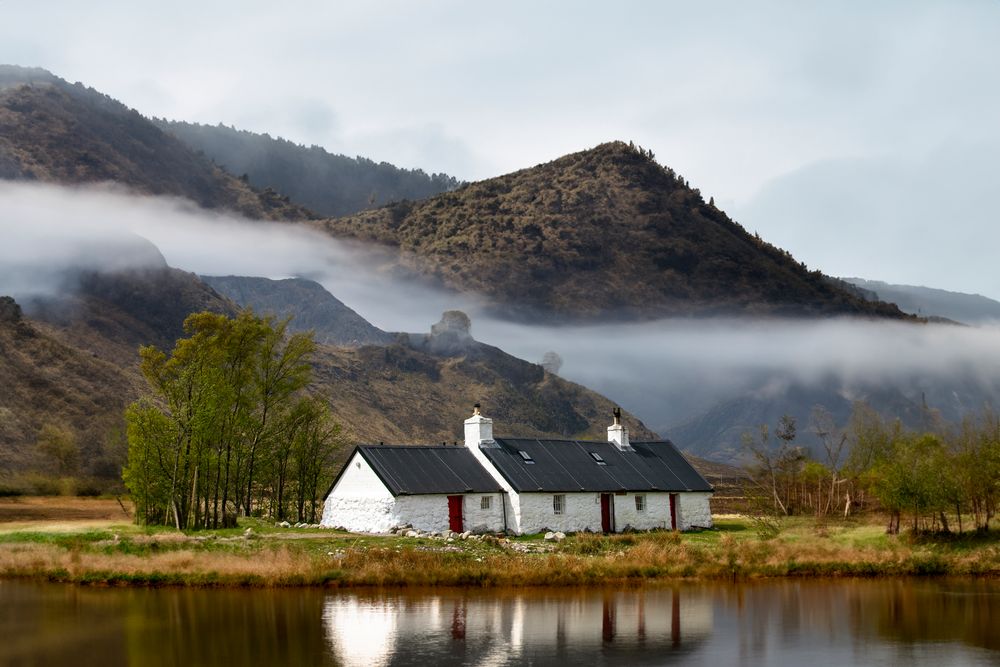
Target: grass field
85,541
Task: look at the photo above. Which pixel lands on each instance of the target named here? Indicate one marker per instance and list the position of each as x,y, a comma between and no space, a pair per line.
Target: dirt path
61,509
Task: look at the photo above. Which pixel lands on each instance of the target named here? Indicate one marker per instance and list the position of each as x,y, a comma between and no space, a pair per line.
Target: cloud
48,229
665,371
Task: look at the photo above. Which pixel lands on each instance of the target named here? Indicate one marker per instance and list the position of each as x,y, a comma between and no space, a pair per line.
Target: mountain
71,362
927,301
308,303
915,401
55,132
606,231
329,184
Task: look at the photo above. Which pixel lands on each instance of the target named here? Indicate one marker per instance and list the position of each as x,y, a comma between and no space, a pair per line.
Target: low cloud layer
665,371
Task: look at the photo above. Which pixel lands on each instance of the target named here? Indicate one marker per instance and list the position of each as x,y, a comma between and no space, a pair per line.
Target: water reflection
933,622
515,627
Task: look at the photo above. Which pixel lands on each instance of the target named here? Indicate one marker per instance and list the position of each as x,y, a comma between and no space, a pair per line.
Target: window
525,456
486,502
640,503
600,460
558,504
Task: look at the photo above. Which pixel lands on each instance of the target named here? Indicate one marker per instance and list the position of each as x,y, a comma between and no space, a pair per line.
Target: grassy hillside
606,230
50,381
56,132
328,184
73,365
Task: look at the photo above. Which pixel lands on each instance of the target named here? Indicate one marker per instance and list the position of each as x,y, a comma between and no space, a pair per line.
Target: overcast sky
863,137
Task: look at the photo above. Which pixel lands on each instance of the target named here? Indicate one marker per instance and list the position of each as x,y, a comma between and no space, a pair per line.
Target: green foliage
935,476
227,428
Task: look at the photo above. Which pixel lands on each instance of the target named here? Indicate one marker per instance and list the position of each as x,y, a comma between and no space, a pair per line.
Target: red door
455,514
673,511
606,512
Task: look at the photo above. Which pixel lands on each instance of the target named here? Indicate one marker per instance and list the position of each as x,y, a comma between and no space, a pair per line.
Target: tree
211,436
833,440
775,465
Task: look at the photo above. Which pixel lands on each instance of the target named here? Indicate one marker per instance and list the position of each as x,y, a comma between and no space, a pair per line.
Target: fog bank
666,372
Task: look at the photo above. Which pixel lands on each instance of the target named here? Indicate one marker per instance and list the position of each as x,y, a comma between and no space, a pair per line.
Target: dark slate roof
419,469
568,466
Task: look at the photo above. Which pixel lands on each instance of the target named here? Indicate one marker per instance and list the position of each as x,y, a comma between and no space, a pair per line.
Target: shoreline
258,555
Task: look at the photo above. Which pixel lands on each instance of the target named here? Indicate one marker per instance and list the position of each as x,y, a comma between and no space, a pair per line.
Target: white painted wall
693,510
583,512
580,512
479,520
430,512
655,515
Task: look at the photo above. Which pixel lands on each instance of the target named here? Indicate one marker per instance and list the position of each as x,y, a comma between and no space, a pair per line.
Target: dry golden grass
122,554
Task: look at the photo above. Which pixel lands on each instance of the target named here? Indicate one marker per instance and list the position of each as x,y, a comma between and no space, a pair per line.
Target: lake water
812,623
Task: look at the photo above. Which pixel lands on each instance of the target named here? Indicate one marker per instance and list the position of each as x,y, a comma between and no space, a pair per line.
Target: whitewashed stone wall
359,501
694,510
580,512
655,515
423,512
583,512
477,519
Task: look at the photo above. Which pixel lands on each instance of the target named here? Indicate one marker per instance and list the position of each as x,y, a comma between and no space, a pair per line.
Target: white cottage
524,485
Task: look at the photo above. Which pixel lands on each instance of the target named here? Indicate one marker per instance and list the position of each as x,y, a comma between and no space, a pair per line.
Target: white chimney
478,429
617,432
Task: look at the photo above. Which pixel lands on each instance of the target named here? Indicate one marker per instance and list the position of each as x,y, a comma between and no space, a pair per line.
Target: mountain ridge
54,131
327,183
931,301
601,232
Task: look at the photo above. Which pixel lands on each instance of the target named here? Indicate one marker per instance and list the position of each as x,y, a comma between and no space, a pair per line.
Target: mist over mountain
606,232
310,306
329,184
56,132
928,301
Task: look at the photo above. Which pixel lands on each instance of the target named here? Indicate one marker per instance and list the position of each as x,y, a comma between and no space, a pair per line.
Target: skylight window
525,456
600,459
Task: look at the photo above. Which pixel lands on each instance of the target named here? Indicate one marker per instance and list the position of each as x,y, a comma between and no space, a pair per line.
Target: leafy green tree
209,441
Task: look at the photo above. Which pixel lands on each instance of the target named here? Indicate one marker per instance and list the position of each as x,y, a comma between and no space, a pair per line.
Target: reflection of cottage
507,627
522,485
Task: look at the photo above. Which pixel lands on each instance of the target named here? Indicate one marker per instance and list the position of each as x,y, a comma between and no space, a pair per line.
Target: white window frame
559,503
640,503
486,502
